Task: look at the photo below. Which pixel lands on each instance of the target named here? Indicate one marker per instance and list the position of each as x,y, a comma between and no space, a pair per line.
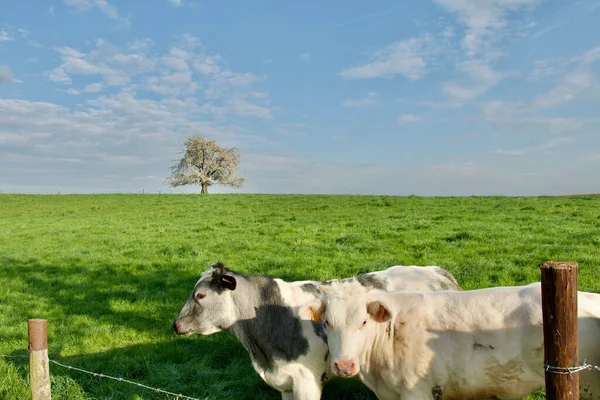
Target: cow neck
266,326
379,351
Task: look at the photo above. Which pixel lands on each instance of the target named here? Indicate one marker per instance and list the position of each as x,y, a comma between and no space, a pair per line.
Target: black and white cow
289,351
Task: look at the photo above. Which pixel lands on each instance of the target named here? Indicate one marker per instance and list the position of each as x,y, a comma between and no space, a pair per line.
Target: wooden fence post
559,307
39,371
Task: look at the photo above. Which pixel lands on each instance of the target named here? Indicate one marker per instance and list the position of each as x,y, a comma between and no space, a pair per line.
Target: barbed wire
583,366
99,375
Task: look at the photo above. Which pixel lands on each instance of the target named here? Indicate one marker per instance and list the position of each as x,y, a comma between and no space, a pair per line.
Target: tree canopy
206,163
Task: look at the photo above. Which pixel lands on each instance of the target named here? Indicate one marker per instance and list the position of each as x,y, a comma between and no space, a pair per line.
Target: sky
432,97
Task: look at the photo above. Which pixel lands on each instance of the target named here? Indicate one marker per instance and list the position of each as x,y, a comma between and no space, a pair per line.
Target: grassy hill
111,272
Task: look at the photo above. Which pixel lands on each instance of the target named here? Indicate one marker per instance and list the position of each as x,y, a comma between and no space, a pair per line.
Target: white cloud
242,107
93,87
482,77
5,37
176,3
175,63
84,5
140,45
483,18
406,57
408,119
370,99
305,56
106,60
589,57
545,147
225,90
542,69
572,85
51,10
6,75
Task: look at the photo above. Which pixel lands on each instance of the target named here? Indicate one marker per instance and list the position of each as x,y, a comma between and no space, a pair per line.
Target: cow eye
364,322
326,322
199,296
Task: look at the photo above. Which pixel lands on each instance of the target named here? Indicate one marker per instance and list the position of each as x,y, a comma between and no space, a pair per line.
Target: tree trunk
204,188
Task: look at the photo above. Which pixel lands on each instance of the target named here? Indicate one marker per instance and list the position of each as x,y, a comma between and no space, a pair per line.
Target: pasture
111,272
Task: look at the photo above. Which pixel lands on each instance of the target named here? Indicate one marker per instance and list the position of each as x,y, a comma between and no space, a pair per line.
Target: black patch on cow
481,347
324,377
436,392
446,274
371,280
215,283
327,355
275,332
312,289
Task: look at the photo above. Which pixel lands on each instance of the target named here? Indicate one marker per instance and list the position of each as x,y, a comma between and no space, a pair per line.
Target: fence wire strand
99,375
583,366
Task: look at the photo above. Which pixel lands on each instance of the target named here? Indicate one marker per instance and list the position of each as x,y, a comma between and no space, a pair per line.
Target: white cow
289,351
479,344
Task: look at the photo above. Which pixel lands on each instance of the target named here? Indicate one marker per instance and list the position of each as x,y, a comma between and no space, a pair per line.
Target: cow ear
228,281
378,311
312,311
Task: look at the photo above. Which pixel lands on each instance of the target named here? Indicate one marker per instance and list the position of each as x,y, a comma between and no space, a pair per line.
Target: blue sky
438,97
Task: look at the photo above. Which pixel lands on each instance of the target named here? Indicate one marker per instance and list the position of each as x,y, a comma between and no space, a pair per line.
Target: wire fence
99,375
583,366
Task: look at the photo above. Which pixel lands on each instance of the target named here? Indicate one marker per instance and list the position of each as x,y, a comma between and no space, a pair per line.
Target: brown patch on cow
315,315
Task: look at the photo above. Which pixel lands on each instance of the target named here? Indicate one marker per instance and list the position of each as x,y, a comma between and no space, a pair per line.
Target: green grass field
111,272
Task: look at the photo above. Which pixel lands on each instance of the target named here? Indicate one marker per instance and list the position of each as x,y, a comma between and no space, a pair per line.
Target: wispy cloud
305,56
6,75
370,99
545,146
408,119
481,75
566,15
483,18
108,9
406,57
369,16
571,85
176,3
5,37
51,10
116,68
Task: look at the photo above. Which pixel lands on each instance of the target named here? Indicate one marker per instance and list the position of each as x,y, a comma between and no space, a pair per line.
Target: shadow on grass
109,307
215,367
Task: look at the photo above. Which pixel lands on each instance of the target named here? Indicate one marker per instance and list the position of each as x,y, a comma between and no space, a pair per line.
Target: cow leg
307,390
287,395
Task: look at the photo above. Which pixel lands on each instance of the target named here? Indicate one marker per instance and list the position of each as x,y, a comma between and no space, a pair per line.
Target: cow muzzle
345,368
178,328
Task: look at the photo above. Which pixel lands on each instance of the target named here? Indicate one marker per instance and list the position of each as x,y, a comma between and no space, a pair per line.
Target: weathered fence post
39,371
559,308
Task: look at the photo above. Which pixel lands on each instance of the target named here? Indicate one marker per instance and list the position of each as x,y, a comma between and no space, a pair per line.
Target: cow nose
344,368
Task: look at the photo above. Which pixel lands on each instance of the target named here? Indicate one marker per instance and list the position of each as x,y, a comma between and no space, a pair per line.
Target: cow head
347,315
210,308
